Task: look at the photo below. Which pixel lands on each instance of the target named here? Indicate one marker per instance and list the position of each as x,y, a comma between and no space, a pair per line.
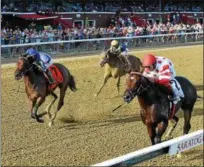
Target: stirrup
171,98
176,100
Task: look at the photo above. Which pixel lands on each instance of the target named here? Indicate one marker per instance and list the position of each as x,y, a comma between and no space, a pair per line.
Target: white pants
177,90
45,60
124,53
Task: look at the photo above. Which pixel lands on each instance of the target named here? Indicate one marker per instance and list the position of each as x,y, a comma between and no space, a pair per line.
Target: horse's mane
159,90
35,69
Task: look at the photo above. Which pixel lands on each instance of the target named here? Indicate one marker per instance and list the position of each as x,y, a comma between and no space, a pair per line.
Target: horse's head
23,65
108,57
136,83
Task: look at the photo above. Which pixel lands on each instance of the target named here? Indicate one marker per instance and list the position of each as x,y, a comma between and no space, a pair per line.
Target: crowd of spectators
103,6
49,33
182,6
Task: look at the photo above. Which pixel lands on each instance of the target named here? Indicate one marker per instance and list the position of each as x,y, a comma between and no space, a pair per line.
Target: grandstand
86,13
45,21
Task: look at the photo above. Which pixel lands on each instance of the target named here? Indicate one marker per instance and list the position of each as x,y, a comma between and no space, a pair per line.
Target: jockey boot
176,98
172,110
50,78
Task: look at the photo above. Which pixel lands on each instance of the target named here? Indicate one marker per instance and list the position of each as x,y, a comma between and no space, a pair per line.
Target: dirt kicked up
86,131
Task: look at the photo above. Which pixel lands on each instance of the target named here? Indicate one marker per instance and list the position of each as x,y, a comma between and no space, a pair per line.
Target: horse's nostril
126,97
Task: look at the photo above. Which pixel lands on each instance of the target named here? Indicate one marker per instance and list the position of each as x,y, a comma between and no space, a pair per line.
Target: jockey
161,71
121,50
43,61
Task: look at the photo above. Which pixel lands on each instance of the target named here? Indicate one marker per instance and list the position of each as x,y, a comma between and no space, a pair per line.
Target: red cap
148,60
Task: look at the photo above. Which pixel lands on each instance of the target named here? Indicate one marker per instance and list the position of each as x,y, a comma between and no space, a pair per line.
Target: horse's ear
142,69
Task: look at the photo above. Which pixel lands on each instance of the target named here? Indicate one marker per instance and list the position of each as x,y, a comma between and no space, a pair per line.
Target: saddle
56,74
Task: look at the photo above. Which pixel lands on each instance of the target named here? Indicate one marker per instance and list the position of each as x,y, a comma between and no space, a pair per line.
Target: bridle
22,73
138,89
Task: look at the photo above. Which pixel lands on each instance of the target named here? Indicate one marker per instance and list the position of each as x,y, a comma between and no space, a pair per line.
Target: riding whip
121,105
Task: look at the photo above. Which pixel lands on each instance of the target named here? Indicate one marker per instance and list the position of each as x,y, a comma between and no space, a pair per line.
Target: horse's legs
187,118
31,105
39,101
50,105
173,122
106,77
151,132
118,85
161,127
60,104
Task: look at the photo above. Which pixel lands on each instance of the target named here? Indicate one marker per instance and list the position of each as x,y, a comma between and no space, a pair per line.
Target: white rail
172,147
97,39
22,13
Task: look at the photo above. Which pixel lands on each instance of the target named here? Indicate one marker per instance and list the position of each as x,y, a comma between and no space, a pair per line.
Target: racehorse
37,86
114,67
155,104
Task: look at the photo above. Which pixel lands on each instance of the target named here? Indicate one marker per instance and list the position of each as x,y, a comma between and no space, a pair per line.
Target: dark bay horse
114,67
155,105
37,87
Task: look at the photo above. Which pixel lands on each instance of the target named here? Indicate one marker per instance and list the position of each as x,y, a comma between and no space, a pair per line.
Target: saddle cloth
57,76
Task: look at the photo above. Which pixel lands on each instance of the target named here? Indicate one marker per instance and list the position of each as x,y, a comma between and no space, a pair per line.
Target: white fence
99,44
94,13
102,39
170,147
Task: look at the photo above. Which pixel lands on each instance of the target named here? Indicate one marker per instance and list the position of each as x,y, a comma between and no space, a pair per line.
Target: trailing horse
155,104
114,67
37,86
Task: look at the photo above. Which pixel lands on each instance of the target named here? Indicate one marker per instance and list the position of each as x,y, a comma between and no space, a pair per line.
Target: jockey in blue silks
43,62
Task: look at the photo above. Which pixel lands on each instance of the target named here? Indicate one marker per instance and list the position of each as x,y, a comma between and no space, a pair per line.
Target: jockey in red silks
161,71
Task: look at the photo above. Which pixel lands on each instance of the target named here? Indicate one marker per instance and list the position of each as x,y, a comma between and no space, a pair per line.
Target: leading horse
155,104
37,86
114,67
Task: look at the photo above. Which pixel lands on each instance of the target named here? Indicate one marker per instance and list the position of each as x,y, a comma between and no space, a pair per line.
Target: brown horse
155,104
37,87
114,67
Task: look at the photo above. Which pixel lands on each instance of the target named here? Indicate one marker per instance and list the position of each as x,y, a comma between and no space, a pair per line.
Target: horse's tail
199,98
72,83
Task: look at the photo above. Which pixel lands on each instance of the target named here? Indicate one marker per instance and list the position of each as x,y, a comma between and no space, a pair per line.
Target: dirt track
86,132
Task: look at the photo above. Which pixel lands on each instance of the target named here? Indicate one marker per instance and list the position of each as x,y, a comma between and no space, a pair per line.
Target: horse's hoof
40,120
42,114
50,124
32,115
